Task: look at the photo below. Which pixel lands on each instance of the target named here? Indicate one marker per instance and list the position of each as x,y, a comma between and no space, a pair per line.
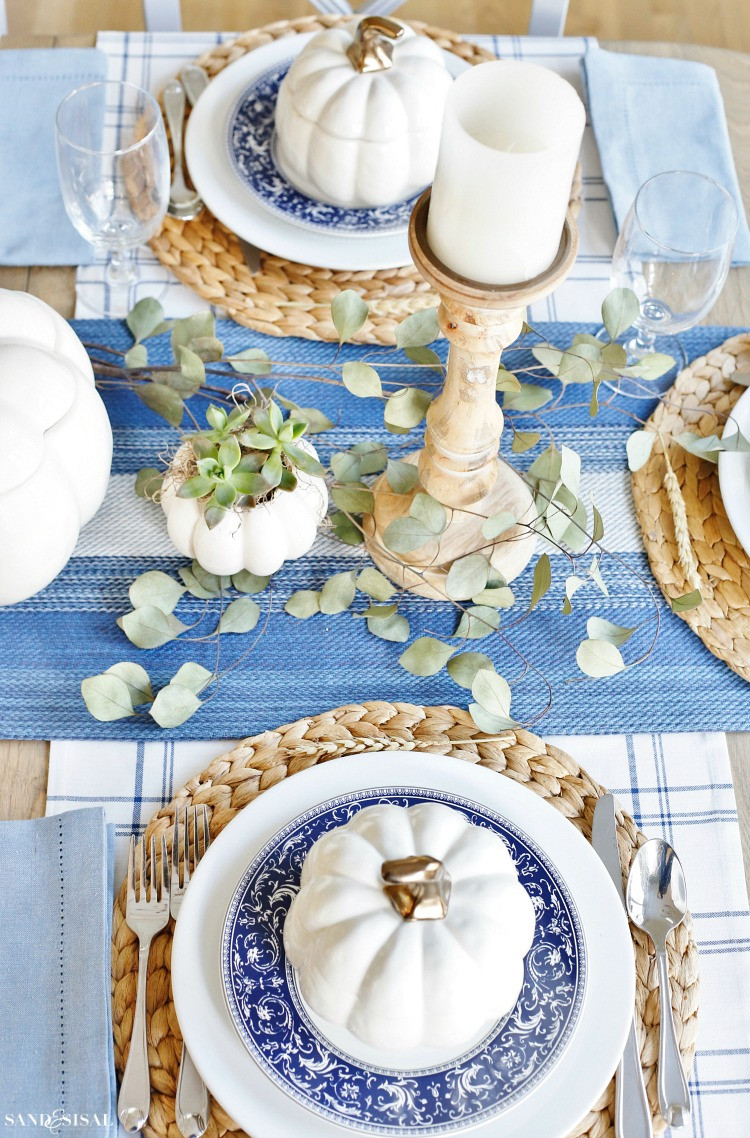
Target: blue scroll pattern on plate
507,1064
250,151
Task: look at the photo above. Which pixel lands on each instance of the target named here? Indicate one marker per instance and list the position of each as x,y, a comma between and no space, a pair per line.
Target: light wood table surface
23,764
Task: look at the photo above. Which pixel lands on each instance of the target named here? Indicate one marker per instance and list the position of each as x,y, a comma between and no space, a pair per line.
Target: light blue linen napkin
650,115
56,1057
34,227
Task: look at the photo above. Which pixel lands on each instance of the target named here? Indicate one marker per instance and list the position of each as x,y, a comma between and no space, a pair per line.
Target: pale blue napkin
34,227
56,1057
650,115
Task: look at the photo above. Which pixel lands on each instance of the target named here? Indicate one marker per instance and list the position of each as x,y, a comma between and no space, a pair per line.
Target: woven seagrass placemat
239,776
697,547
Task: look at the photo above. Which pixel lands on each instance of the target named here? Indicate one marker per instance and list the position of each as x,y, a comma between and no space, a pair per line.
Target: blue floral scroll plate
249,144
469,1088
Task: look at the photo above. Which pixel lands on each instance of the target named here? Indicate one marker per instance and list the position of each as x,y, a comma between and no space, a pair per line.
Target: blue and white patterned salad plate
278,1069
229,153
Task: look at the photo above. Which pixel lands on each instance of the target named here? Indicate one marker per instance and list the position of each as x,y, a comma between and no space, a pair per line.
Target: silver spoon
194,80
656,900
184,204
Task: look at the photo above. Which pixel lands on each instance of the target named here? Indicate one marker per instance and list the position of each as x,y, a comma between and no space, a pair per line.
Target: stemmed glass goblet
674,252
113,164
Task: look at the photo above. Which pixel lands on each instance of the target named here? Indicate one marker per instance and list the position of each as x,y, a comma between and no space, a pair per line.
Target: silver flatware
194,80
656,901
632,1112
191,1098
184,203
146,913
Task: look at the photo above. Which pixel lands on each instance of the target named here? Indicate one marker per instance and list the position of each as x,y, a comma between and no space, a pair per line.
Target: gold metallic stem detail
418,887
372,47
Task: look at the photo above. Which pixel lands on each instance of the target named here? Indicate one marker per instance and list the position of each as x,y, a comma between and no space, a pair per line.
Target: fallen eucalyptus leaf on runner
464,667
107,697
174,705
426,656
598,658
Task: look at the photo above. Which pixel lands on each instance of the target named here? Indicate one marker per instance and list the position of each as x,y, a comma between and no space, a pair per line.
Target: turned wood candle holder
459,464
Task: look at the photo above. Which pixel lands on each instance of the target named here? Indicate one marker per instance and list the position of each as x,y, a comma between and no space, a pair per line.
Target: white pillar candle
508,149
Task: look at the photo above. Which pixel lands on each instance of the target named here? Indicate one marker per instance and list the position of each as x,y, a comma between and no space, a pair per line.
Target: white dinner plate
734,476
244,211
257,1100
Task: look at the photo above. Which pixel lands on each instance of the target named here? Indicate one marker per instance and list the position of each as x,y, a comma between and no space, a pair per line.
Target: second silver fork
191,1098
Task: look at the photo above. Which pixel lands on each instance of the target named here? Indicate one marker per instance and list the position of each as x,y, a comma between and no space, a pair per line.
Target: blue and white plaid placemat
150,59
676,786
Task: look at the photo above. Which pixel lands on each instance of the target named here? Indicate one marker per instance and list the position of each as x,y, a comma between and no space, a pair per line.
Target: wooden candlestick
459,464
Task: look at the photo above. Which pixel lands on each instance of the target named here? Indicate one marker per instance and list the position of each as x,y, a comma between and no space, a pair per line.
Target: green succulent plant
244,456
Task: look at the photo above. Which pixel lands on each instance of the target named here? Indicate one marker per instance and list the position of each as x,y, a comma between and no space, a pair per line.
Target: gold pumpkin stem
418,887
372,48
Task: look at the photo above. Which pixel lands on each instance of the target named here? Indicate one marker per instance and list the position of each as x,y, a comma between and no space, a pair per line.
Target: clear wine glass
113,164
674,252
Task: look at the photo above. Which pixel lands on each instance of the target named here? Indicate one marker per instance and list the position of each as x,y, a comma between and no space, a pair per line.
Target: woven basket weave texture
236,778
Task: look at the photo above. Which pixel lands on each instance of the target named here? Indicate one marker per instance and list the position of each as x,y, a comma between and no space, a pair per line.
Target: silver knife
632,1112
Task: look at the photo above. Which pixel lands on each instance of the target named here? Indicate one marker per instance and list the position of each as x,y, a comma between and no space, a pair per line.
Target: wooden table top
23,764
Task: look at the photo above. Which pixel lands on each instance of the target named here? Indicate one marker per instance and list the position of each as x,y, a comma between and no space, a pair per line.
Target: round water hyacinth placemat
237,777
688,538
288,298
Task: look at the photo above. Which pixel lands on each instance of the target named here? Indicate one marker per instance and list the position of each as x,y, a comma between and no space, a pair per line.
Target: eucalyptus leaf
572,584
707,447
478,621
361,379
542,580
375,584
346,467
163,400
417,330
429,511
372,456
506,380
346,530
403,535
394,628
487,722
524,440
598,658
687,601
467,576
148,482
136,357
463,668
639,447
734,442
354,498
497,596
614,356
136,677
406,408
240,616
155,588
426,656
425,357
580,364
193,676
493,526
402,476
378,612
653,366
208,349
529,397
570,469
303,603
251,361
315,419
107,697
149,627
595,574
174,705
192,366
546,467
210,581
598,529
600,629
348,312
619,310
196,327
193,586
144,318
246,582
337,593
493,694
548,357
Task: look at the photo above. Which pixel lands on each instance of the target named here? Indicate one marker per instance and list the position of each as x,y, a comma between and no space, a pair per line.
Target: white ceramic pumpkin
355,137
55,444
259,539
398,981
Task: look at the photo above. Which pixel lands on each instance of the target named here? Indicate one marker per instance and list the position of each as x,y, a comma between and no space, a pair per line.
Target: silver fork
191,1099
146,913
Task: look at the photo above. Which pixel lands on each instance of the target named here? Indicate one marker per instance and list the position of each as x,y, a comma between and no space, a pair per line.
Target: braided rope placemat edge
238,776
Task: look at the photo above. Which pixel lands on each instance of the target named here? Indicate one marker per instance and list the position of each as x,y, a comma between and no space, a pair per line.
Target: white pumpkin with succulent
248,493
55,444
410,927
357,121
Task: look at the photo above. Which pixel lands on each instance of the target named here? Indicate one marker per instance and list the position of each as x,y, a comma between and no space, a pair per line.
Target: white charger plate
734,477
244,212
259,1104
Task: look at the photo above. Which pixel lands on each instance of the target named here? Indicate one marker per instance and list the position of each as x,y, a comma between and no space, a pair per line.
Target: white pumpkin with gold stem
410,927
